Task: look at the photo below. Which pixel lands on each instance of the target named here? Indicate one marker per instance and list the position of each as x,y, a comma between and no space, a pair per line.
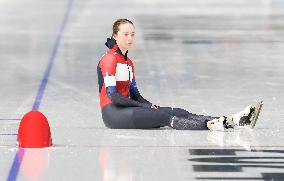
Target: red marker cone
34,131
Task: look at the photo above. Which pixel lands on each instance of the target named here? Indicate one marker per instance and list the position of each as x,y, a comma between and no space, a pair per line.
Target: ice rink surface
210,57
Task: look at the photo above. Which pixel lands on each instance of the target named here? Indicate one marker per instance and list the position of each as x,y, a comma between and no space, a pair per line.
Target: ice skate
246,117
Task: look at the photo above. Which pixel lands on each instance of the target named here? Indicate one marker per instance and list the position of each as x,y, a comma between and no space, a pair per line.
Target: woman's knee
180,112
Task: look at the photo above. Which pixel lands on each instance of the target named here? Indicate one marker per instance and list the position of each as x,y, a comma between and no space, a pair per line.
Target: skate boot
217,124
246,117
242,118
222,123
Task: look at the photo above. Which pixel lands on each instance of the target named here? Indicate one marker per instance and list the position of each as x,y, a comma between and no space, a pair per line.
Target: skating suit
121,103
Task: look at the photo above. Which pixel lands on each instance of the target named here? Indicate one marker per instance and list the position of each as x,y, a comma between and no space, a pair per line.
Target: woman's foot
242,118
217,124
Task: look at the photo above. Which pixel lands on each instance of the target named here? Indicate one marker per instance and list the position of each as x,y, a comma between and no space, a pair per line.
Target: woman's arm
135,94
120,100
108,69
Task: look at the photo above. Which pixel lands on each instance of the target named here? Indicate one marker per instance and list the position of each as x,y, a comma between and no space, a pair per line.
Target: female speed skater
122,105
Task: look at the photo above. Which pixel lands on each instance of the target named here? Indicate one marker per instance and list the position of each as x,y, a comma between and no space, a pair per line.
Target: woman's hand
154,106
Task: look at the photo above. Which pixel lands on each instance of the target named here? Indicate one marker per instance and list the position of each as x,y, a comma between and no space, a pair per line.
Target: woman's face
125,36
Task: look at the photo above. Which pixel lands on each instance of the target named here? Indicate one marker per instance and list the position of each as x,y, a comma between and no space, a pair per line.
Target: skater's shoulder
108,57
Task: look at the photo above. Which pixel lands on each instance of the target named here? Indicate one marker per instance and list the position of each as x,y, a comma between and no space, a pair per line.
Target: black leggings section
116,117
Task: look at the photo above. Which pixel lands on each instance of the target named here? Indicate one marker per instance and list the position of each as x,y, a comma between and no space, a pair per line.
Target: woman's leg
188,120
185,114
134,117
145,118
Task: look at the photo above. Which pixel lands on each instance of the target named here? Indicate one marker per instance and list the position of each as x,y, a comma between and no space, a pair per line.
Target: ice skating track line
14,170
52,58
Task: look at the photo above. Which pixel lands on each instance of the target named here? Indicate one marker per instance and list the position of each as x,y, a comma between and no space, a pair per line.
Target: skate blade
256,114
